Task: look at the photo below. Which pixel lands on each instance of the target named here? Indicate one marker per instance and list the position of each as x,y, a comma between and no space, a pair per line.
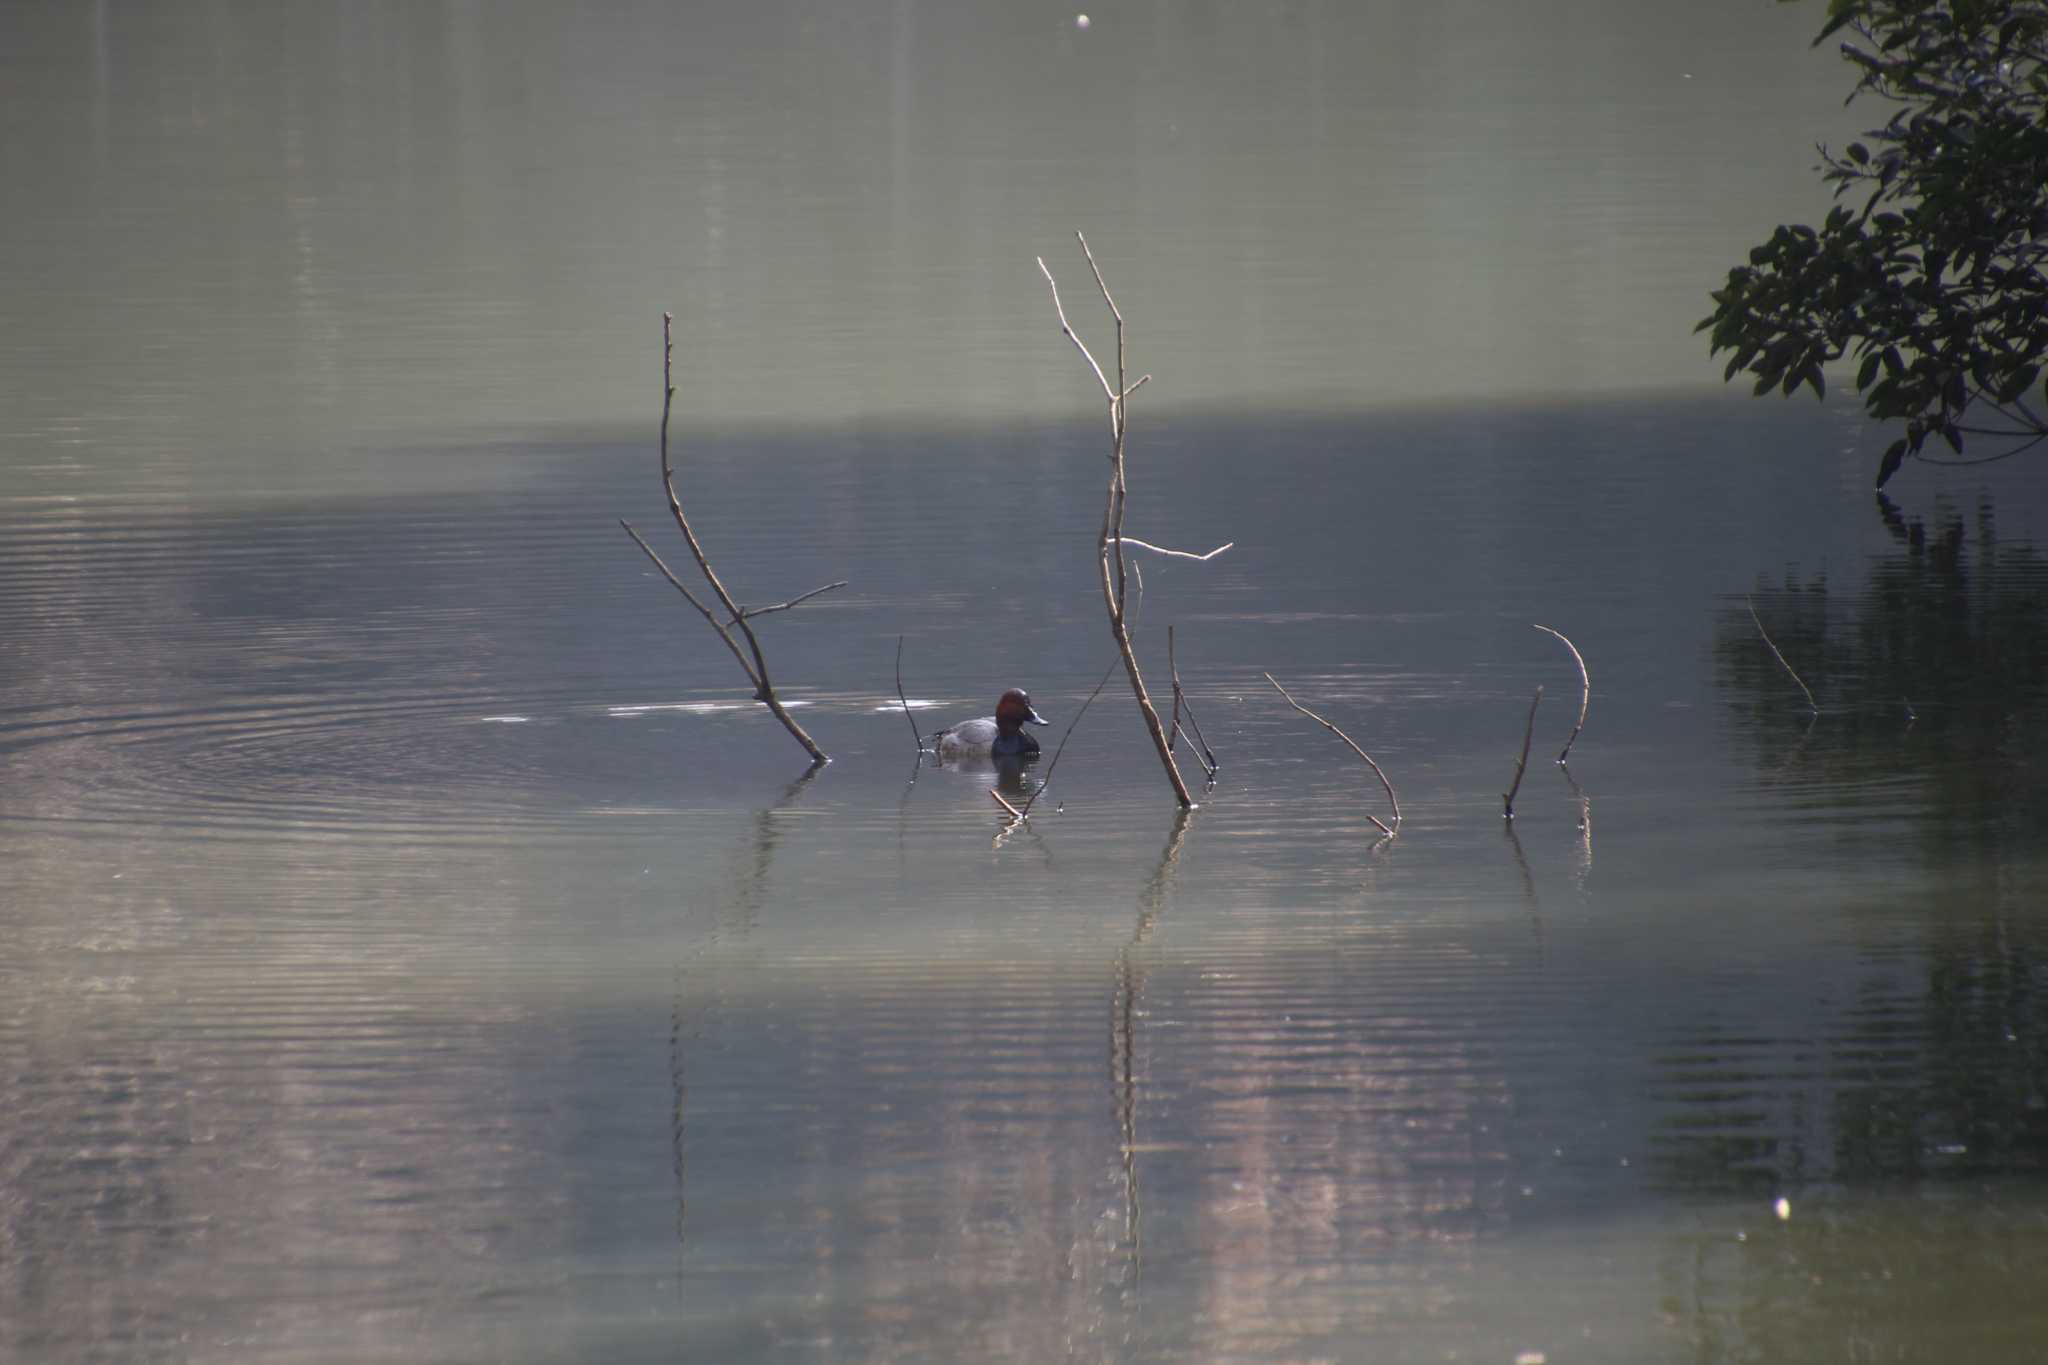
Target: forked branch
751,659
1109,548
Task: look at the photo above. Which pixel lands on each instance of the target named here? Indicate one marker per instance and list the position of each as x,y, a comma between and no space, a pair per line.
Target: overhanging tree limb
1928,267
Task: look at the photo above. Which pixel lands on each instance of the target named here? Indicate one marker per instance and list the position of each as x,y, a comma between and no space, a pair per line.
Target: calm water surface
415,945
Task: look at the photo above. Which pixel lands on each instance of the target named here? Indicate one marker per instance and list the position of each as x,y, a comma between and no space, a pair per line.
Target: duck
999,736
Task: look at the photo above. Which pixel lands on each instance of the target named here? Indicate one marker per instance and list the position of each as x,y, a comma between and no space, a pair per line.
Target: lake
415,944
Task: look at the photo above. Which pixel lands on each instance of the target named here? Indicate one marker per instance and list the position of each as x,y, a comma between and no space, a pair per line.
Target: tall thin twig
1507,799
1392,799
905,700
757,668
1585,690
1180,704
1046,781
1779,655
1110,542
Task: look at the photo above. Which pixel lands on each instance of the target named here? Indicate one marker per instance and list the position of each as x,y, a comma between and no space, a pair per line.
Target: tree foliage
1929,268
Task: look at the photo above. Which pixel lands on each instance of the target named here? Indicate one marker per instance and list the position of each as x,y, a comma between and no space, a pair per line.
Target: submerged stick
1585,690
1779,655
1395,800
905,700
1507,799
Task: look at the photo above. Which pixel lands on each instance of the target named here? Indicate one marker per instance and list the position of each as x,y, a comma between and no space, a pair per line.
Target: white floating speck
1784,1208
1080,21
1531,1358
506,720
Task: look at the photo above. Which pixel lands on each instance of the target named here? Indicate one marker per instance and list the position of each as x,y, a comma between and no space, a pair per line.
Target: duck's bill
1035,719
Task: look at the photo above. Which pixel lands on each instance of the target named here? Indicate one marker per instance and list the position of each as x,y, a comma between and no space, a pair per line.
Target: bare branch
1777,654
1395,801
1585,690
1068,328
680,587
757,669
751,612
1099,282
1179,554
1015,814
1110,543
905,700
1507,799
1141,383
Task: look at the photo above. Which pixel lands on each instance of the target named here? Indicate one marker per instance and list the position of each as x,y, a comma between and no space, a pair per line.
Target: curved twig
1585,690
1394,800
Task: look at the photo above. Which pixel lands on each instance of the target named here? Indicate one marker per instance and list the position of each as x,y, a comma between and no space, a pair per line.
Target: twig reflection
1585,868
1123,1038
1528,879
753,858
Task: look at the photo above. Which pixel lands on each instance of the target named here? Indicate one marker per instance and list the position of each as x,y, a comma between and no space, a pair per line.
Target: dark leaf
1894,456
2018,382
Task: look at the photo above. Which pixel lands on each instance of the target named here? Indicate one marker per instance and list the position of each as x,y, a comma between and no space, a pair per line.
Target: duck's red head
1013,712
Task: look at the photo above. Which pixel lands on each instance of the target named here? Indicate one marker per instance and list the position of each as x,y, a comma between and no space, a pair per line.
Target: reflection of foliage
1938,1067
1937,670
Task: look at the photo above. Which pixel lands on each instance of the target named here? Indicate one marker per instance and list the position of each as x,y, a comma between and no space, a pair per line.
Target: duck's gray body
999,736
982,738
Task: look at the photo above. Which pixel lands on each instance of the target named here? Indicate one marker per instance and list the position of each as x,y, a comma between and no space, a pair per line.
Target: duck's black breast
1013,746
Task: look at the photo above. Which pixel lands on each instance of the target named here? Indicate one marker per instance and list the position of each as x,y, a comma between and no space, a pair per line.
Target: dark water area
415,944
